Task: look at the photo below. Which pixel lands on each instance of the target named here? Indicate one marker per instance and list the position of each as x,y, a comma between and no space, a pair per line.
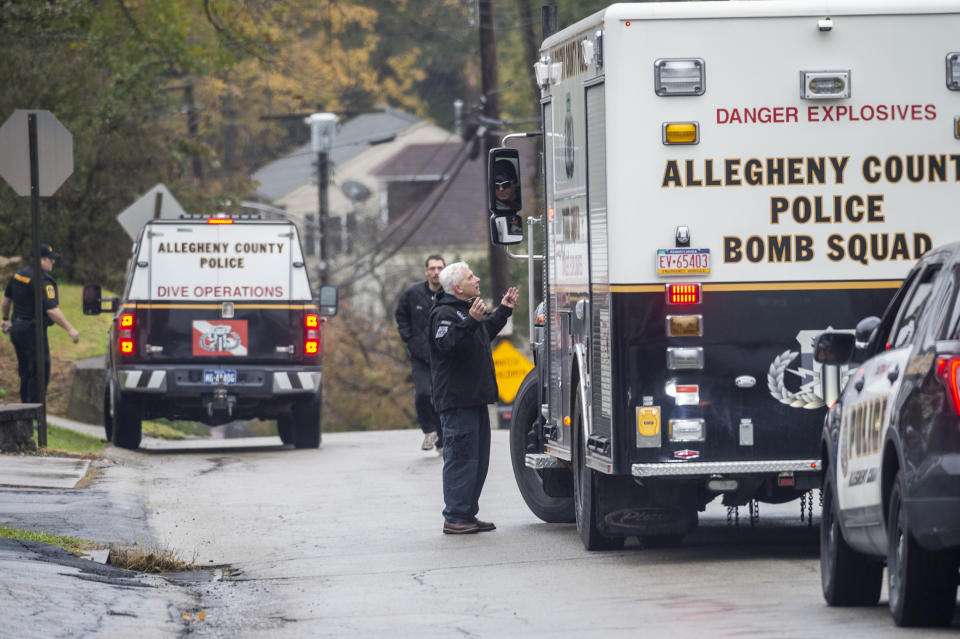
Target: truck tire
127,422
847,577
285,428
307,431
922,583
526,412
585,483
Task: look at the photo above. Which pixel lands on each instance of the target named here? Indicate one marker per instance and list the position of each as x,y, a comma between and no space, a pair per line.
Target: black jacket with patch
413,320
461,361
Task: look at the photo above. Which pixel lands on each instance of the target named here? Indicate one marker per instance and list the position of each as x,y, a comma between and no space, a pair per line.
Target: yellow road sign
510,366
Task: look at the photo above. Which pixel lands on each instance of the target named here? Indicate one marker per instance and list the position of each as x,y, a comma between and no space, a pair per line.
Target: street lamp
323,128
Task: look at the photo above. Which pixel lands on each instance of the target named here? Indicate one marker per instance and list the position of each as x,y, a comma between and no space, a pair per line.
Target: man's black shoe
460,527
484,526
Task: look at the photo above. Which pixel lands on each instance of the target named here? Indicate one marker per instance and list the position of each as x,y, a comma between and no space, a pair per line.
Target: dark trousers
466,457
25,343
423,400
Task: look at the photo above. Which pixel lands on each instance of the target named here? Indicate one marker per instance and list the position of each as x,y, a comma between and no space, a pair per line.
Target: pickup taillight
125,341
312,340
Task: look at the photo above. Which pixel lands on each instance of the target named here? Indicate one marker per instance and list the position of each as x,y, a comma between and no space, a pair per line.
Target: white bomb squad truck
216,322
723,182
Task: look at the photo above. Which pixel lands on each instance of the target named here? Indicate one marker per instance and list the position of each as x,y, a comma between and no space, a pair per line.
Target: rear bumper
187,381
682,468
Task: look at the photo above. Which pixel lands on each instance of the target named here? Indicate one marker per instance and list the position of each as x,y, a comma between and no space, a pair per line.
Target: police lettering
775,248
877,247
755,172
803,209
862,427
221,262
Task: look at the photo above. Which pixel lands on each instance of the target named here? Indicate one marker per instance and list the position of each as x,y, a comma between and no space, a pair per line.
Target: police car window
950,327
909,320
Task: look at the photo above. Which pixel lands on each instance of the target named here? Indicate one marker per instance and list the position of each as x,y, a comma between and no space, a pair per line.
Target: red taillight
683,293
947,368
312,341
125,343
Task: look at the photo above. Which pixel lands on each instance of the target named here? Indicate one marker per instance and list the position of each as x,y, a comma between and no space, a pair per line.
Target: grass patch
161,430
93,328
152,559
69,441
70,544
186,427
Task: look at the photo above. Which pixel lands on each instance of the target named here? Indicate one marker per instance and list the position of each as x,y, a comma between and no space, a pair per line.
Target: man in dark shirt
18,297
413,322
464,383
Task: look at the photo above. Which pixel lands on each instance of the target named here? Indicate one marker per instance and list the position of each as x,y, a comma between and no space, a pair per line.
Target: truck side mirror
93,301
328,300
506,229
503,173
833,348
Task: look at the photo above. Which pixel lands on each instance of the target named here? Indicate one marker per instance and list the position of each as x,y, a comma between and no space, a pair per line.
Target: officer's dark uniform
20,290
413,321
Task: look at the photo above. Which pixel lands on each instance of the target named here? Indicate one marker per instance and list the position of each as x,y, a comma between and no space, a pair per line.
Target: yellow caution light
681,133
956,128
566,420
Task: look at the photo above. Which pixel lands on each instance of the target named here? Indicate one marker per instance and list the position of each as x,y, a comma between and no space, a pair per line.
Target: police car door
869,405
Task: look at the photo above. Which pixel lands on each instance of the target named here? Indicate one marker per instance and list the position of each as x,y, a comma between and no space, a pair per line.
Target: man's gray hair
453,275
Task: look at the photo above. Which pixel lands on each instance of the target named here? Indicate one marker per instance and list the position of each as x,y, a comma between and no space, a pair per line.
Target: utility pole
491,109
323,128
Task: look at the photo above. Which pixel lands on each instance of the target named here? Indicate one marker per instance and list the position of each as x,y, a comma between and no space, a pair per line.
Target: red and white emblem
220,337
686,454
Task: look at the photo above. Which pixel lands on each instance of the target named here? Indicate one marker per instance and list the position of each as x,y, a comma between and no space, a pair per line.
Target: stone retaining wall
86,393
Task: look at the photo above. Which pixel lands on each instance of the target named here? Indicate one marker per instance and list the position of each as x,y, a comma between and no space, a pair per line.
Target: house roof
460,217
418,162
298,167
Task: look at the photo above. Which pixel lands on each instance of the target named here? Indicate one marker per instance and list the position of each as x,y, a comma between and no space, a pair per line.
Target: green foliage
93,328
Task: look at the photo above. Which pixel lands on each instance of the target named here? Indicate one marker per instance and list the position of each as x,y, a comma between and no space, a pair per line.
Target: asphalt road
346,541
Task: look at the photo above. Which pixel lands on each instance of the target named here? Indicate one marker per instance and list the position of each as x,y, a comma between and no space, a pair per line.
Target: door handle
894,374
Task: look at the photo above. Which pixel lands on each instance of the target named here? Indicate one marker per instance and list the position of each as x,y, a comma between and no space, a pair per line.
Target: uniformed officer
21,327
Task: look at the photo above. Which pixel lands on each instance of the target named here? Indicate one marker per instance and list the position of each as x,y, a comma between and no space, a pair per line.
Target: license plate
683,261
228,376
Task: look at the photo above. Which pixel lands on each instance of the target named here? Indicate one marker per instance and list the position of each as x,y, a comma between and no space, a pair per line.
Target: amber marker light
219,220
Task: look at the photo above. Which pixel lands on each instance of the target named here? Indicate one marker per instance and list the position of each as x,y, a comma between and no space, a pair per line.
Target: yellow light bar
681,133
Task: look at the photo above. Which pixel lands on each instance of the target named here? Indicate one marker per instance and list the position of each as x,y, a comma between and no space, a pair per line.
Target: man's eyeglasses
502,184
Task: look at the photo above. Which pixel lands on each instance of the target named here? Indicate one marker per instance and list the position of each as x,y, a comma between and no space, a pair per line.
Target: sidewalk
35,471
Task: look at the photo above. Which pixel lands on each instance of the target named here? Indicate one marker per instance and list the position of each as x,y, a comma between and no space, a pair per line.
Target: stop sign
54,152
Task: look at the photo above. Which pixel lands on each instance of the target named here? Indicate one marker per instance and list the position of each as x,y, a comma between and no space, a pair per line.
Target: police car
891,450
217,322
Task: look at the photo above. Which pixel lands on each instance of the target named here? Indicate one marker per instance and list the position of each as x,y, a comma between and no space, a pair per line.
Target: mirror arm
510,136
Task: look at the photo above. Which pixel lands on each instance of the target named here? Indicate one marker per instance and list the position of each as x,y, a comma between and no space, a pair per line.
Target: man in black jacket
464,383
413,321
